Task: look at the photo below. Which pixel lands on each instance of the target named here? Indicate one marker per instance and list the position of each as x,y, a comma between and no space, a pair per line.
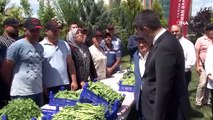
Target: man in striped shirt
11,30
112,53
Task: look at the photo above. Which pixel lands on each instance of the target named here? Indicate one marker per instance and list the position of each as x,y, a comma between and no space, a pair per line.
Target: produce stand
113,81
126,106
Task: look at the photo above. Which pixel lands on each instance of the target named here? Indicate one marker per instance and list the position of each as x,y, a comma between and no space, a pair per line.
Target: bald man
188,49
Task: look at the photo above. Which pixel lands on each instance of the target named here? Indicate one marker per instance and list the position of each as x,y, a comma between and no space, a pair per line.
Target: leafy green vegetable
72,95
21,109
104,91
128,78
82,111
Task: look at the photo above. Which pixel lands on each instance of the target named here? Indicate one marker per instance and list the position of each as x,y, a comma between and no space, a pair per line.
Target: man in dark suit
165,94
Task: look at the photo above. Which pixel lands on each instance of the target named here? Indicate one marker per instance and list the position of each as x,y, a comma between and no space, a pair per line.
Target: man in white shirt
58,61
188,49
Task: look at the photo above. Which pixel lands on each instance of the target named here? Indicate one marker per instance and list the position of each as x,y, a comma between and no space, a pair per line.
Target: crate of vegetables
64,98
87,111
98,92
128,82
124,87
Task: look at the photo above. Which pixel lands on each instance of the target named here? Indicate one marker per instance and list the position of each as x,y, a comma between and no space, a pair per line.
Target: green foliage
199,21
87,13
123,14
26,8
6,12
46,12
94,15
3,4
157,7
66,11
41,9
211,17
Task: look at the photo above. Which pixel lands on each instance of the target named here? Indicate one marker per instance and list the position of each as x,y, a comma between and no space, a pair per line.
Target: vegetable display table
126,106
113,81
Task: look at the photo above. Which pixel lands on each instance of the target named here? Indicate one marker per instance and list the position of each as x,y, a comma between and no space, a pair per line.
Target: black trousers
211,90
140,112
188,76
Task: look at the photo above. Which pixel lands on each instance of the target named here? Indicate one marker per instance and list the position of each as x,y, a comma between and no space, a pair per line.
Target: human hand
82,84
199,69
74,86
109,71
210,77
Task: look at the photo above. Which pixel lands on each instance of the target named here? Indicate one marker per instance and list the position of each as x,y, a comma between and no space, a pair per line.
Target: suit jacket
165,94
138,80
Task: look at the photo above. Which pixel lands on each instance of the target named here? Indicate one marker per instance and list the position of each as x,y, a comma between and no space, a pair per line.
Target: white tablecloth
128,101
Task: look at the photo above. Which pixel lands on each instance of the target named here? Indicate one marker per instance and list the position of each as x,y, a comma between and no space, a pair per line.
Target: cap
209,27
107,33
11,22
110,27
97,34
32,23
52,25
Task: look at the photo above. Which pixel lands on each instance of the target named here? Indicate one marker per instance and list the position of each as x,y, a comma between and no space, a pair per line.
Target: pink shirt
202,44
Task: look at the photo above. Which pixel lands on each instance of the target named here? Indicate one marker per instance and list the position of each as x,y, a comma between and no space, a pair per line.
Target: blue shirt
27,71
112,55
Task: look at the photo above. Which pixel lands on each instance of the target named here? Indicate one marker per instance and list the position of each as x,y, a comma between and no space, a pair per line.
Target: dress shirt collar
181,38
47,42
158,35
207,38
143,57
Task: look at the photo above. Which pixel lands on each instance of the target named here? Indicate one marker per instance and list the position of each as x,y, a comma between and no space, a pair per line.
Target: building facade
164,3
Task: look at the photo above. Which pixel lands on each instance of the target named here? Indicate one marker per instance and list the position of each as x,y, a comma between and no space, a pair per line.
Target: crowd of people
31,67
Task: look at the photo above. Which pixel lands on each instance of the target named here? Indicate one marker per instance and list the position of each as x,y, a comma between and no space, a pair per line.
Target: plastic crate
60,101
127,88
50,112
114,110
91,96
4,117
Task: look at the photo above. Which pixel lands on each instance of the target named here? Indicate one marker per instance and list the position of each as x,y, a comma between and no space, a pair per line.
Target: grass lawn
204,113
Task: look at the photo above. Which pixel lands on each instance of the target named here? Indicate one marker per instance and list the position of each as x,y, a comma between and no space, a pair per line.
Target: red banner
179,14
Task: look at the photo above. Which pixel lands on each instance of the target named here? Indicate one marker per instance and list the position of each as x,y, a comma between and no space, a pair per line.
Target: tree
93,15
46,12
159,10
26,8
11,11
3,4
67,11
123,14
199,21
